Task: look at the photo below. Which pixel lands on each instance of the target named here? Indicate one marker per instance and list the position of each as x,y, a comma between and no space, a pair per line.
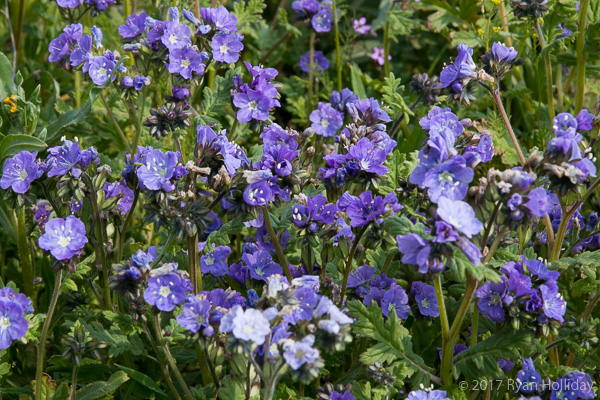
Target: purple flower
395,299
215,262
320,62
426,299
19,171
63,238
553,303
258,194
360,26
261,265
340,396
368,157
490,297
445,233
326,120
322,20
157,170
365,209
483,152
195,314
13,325
249,325
298,353
303,311
573,385
219,18
462,69
416,251
361,276
143,259
460,215
503,53
449,179
538,203
316,210
252,104
165,291
185,62
379,55
134,26
538,268
226,48
176,36
427,395
69,3
115,189
528,377
340,100
82,54
584,120
59,48
20,299
101,69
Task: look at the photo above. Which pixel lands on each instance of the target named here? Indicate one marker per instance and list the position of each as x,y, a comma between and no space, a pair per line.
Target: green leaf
221,237
460,265
7,87
231,390
4,368
482,359
61,393
99,390
248,12
144,379
393,99
117,341
401,225
357,85
392,341
14,144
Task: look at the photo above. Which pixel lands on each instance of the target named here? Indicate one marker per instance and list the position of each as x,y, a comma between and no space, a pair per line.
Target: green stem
165,346
164,250
559,88
77,89
93,197
138,126
386,264
125,225
311,73
548,67
24,257
336,35
19,29
442,307
511,132
195,272
581,57
386,43
114,122
474,325
562,228
39,372
350,260
161,362
74,381
275,241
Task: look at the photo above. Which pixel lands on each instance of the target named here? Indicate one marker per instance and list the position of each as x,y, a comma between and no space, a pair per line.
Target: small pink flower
360,26
378,55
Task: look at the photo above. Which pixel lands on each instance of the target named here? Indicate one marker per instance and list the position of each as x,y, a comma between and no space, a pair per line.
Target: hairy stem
442,307
311,72
350,260
474,325
39,372
581,57
161,362
511,132
114,122
386,43
275,241
74,381
338,57
24,258
165,346
548,67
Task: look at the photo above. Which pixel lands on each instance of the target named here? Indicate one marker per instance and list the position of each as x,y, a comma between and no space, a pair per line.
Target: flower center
173,38
365,164
248,329
446,177
64,241
209,259
252,105
185,63
102,71
324,123
4,323
425,303
224,48
164,291
23,175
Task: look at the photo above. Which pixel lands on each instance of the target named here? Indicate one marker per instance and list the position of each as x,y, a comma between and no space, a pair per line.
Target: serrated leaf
248,12
482,359
392,340
231,390
117,341
99,390
221,237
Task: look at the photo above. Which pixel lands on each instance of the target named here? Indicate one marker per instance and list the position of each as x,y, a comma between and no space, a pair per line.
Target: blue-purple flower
450,179
457,74
460,215
395,299
63,238
195,314
326,120
320,62
215,262
13,325
134,25
100,69
19,171
186,62
250,325
157,170
261,265
425,298
366,209
368,157
491,296
165,291
427,395
226,47
297,353
528,378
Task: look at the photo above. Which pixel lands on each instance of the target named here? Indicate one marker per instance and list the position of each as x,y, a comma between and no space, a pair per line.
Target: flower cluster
528,291
571,385
255,101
